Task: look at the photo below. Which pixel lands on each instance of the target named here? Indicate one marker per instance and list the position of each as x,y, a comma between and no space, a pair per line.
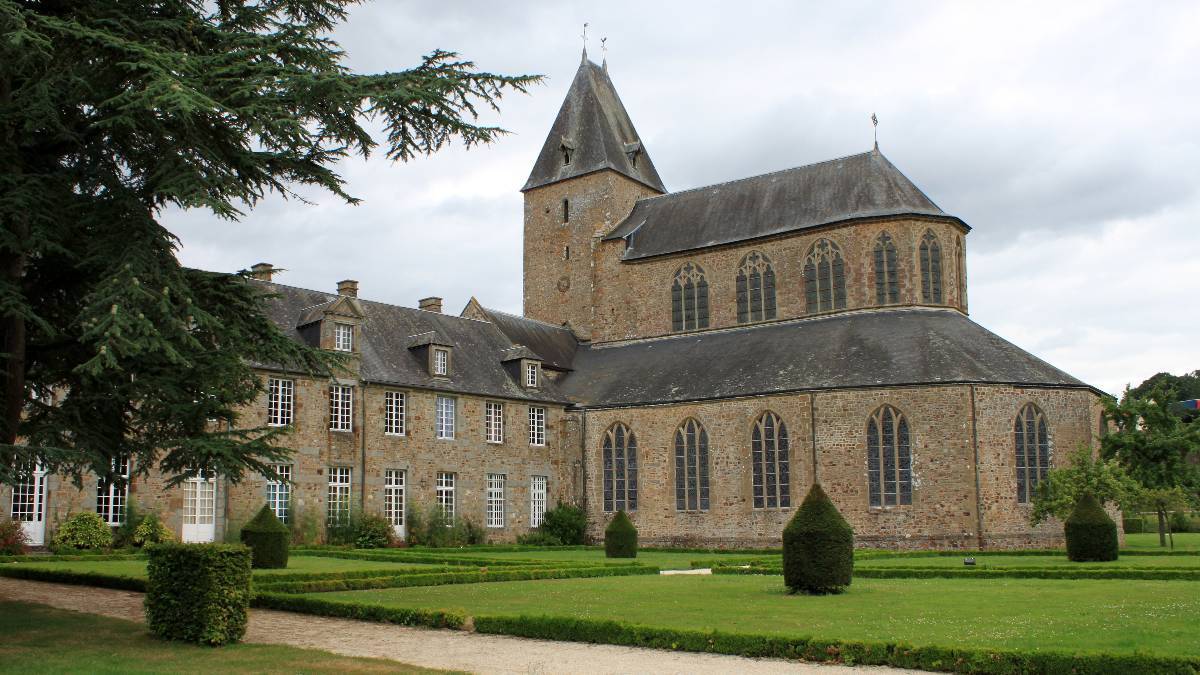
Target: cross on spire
584,36
875,128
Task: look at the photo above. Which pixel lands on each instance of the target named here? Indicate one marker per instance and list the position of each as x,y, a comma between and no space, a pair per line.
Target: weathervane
875,125
585,37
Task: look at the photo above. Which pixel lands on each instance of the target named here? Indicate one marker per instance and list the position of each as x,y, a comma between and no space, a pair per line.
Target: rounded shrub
566,523
1091,534
620,537
818,547
268,540
85,530
372,532
198,592
151,531
13,540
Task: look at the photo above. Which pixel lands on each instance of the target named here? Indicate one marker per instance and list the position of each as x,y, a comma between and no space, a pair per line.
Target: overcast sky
1065,134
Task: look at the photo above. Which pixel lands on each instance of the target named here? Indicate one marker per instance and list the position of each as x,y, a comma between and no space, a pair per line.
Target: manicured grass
137,568
1184,541
667,560
39,639
1041,561
1157,617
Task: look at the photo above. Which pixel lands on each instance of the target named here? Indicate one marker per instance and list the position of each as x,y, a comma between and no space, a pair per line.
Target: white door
29,505
393,499
199,510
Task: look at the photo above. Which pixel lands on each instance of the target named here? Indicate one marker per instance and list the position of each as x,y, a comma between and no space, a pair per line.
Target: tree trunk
1162,527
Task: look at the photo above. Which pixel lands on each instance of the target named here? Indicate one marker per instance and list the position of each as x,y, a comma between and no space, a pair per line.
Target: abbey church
696,358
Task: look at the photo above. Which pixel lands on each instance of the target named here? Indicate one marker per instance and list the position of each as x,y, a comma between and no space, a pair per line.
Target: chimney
431,304
348,288
262,271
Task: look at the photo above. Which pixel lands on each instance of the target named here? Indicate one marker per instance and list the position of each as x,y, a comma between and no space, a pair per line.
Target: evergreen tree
111,111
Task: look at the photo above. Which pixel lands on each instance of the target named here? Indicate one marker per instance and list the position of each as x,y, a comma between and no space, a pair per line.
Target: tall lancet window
691,467
887,271
689,299
825,277
889,459
755,289
931,268
1032,441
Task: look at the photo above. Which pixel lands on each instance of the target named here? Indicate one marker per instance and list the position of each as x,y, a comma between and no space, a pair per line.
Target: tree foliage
1177,387
1104,479
112,111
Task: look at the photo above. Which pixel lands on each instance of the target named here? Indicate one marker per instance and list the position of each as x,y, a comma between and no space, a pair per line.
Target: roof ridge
760,175
524,318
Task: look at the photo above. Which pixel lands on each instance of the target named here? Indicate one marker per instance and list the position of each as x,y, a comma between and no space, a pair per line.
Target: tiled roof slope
388,332
859,186
593,121
555,345
866,349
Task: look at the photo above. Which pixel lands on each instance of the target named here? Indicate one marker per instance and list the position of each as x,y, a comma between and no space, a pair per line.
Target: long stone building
697,358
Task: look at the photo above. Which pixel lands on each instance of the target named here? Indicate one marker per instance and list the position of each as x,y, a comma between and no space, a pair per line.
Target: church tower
592,168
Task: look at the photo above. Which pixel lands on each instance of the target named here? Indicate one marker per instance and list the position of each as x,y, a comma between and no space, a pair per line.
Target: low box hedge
430,618
446,578
990,573
74,578
198,592
963,660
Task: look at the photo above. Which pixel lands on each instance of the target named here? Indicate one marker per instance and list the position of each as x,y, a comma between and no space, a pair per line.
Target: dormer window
566,155
441,361
531,375
343,337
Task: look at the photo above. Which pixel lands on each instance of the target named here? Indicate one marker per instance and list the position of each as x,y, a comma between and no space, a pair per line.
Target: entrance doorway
200,509
29,505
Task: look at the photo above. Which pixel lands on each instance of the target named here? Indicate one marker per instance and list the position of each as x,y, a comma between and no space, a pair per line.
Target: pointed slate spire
592,132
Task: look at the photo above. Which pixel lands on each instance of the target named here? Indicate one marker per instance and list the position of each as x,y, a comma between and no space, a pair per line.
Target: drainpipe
362,434
812,429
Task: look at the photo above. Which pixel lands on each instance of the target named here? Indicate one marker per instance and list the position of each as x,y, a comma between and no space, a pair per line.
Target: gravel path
448,649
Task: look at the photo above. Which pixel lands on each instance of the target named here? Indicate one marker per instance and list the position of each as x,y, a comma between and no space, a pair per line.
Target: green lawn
667,560
1043,561
1185,541
39,639
1120,616
137,568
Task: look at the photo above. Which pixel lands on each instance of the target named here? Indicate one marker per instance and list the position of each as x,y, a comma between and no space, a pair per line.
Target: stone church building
697,358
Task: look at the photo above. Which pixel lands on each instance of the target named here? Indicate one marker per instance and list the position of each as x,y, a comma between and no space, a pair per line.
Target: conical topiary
818,547
620,537
1091,534
268,539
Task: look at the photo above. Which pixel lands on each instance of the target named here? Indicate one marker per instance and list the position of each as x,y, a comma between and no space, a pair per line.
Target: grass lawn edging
959,660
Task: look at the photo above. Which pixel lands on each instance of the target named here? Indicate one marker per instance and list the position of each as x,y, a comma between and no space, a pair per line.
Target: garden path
448,649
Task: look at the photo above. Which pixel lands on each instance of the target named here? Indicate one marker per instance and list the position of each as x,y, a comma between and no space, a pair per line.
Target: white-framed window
279,492
493,422
393,413
495,500
531,375
281,396
343,337
445,494
111,496
341,407
393,496
337,504
441,361
445,416
537,425
537,500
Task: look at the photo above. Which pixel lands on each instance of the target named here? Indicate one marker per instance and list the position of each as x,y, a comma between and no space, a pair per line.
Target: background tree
111,111
1155,445
1106,480
1178,387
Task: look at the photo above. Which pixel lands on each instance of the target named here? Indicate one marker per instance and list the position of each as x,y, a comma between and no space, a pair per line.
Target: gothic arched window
931,268
1032,440
887,271
825,277
691,467
689,299
961,270
889,458
755,288
769,457
620,469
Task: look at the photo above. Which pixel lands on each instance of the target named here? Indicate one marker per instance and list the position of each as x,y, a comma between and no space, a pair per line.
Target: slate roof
554,345
388,332
864,349
859,186
593,121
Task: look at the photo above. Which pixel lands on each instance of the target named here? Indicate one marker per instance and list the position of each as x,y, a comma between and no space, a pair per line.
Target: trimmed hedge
1091,533
431,618
74,578
74,557
620,537
198,592
818,547
990,573
268,539
962,660
446,578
